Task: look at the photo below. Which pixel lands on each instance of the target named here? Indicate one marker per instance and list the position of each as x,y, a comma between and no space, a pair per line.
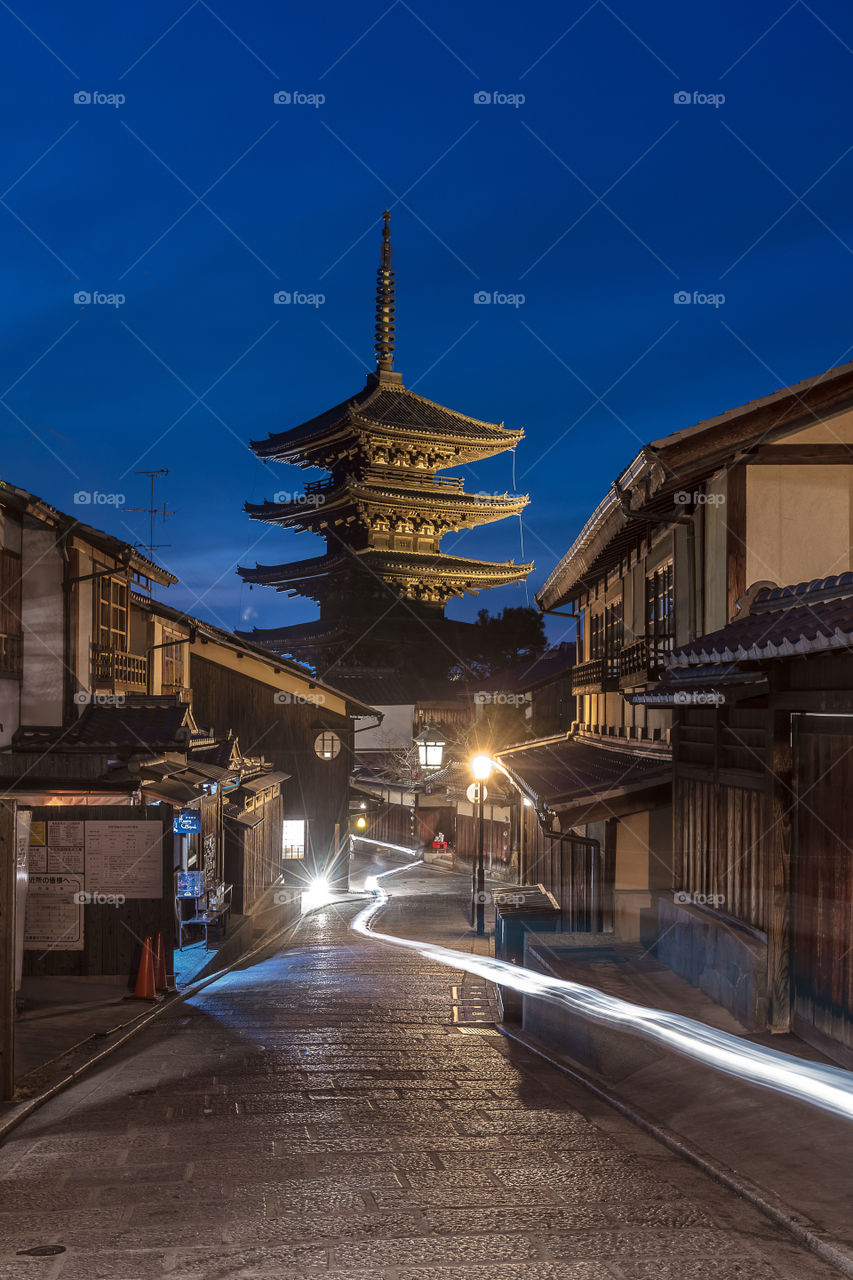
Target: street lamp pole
481,767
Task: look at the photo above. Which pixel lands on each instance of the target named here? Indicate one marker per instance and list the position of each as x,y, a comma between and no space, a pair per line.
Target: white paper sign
65,857
124,858
54,921
65,833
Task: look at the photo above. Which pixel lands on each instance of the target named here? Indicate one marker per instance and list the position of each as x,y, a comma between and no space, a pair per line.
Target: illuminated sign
186,822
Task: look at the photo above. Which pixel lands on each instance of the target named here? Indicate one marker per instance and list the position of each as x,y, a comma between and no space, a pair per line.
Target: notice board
124,858
54,913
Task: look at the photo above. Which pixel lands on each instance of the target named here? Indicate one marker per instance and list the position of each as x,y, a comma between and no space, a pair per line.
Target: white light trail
830,1088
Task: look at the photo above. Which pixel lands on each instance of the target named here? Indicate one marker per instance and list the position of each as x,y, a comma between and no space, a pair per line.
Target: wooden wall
318,790
720,846
253,859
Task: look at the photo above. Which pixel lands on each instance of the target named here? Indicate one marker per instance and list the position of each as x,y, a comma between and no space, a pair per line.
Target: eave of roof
687,457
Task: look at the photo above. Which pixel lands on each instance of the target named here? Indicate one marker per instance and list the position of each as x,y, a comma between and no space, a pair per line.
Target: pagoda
383,583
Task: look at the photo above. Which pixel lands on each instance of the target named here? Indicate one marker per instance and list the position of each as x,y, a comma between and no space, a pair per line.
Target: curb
837,1255
23,1110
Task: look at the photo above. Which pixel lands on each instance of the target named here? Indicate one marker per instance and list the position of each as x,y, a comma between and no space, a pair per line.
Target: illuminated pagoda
382,583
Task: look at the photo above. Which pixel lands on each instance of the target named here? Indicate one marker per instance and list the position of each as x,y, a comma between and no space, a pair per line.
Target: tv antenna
153,511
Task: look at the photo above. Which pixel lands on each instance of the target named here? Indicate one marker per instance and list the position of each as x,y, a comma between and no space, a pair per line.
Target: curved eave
390,564
434,500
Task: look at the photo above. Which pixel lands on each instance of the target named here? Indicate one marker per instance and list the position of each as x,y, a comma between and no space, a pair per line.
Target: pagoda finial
384,345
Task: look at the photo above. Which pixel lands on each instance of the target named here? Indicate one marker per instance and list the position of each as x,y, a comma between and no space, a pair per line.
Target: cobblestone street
320,1112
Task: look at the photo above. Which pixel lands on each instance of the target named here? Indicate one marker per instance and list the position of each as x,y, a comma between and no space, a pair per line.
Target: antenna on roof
385,290
153,511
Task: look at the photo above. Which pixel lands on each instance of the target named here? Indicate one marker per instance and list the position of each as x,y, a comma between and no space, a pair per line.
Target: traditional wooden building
760,494
762,915
383,582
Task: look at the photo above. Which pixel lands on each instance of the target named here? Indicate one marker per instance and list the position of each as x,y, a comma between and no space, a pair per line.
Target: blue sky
597,198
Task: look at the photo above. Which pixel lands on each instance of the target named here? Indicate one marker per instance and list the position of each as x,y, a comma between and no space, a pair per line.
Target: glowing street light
431,743
481,767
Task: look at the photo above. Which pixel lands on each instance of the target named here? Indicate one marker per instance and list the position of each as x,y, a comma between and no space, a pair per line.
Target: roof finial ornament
384,345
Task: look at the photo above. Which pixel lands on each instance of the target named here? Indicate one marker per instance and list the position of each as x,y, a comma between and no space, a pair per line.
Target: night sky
597,199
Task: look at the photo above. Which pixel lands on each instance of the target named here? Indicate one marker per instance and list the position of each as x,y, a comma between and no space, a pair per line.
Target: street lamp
431,743
481,767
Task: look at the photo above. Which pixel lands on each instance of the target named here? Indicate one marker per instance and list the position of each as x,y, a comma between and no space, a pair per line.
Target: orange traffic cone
145,988
160,964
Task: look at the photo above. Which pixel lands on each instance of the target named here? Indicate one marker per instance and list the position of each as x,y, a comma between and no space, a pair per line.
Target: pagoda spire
385,291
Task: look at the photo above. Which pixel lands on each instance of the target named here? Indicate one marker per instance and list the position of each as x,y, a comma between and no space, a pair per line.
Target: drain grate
472,1005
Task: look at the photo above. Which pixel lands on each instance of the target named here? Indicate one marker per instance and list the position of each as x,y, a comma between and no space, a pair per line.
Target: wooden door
822,880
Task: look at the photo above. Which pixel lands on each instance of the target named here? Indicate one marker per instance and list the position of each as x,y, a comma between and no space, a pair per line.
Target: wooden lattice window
110,624
10,593
173,664
660,606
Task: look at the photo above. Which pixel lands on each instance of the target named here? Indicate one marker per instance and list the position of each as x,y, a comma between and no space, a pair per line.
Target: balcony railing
114,667
11,653
642,661
599,675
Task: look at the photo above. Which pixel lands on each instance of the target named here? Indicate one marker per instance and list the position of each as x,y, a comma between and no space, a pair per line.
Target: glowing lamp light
361,823
481,767
431,743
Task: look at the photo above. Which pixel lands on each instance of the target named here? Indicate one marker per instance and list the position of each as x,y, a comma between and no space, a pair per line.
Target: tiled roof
395,407
146,726
782,622
559,770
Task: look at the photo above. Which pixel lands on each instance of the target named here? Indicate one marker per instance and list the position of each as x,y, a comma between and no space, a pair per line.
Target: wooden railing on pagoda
11,655
115,667
642,661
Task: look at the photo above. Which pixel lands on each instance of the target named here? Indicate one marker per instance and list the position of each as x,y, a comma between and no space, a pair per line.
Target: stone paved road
320,1114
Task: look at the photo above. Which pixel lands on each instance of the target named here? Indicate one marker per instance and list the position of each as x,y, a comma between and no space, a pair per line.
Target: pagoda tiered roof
388,410
447,575
393,491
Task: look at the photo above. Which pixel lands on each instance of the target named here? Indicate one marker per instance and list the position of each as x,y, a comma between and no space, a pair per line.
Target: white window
293,838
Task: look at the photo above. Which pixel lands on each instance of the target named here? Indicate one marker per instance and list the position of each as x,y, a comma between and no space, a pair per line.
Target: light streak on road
830,1088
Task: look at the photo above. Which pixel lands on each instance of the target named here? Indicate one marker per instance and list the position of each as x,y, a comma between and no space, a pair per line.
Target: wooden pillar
608,901
735,513
781,812
8,880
